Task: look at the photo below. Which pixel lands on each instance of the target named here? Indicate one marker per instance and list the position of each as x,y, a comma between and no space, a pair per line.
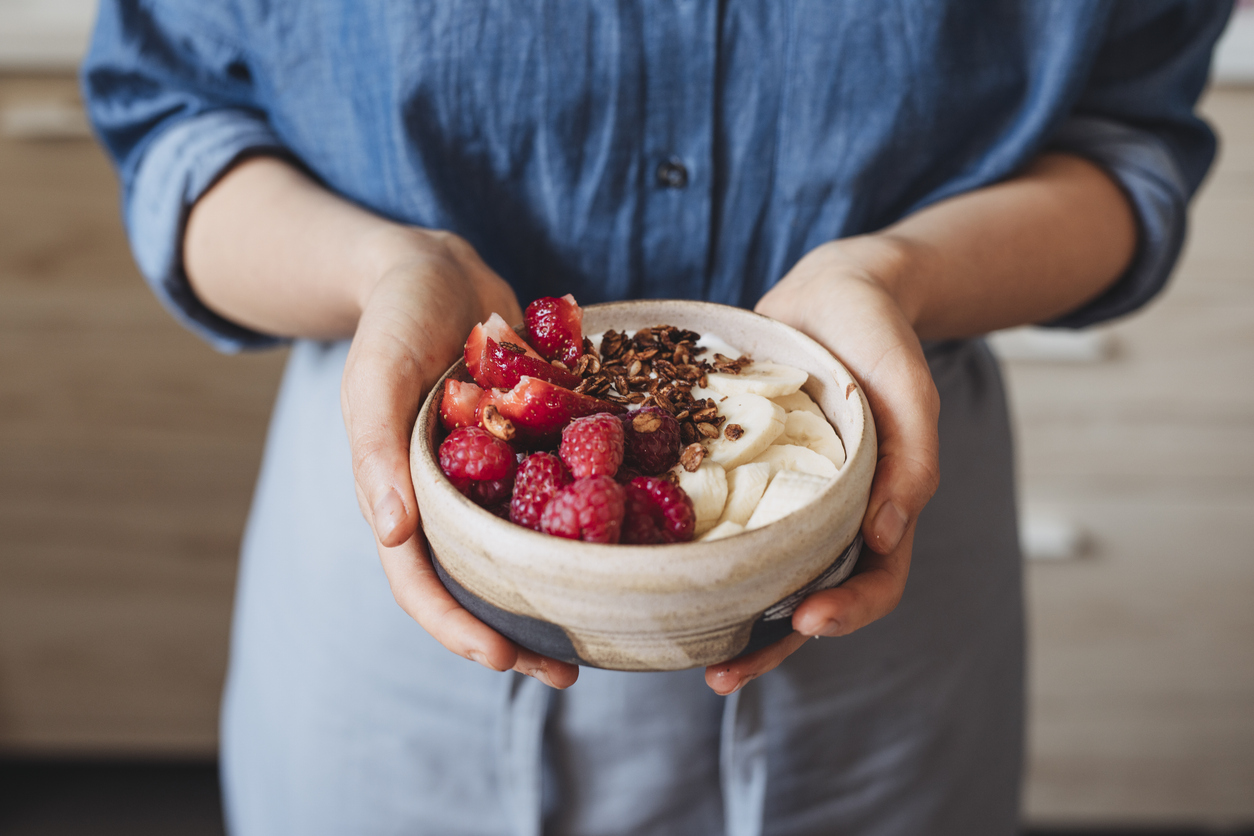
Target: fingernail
888,528
826,627
388,514
476,656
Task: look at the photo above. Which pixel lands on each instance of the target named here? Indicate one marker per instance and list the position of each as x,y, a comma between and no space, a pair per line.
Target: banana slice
795,457
707,488
727,528
745,485
799,401
788,491
770,380
752,424
807,430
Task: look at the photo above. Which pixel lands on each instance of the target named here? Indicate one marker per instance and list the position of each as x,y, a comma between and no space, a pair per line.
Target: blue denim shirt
665,149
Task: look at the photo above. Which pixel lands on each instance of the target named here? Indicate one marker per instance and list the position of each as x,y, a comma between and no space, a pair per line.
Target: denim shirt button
672,174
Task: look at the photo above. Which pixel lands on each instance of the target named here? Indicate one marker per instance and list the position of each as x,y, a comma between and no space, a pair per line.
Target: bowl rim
424,451
425,431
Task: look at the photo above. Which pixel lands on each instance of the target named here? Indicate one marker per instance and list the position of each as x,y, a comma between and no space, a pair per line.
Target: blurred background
128,451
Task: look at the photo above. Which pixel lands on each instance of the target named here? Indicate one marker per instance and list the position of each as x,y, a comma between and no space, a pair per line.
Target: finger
551,672
906,408
881,350
730,677
380,398
868,595
418,590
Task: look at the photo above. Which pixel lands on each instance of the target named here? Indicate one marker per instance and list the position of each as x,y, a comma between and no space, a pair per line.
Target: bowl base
551,640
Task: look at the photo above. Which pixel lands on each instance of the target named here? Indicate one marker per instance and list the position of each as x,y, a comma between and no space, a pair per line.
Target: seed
708,430
733,431
646,422
497,424
692,456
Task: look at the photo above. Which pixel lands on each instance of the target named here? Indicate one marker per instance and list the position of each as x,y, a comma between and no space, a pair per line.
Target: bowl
662,607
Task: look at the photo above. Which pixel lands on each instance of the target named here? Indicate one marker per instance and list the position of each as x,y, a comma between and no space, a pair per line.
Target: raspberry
593,445
642,524
487,492
540,477
588,509
625,474
657,512
499,510
472,453
651,440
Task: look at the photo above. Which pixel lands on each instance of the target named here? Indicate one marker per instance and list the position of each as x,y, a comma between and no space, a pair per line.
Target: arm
270,249
1023,251
1026,250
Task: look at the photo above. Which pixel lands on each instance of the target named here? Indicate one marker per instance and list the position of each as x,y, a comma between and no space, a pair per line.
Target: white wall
44,34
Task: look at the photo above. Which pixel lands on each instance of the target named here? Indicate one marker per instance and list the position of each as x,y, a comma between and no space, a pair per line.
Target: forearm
270,249
1026,250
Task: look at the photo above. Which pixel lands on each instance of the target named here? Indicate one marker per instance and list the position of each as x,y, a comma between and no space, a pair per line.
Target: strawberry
540,409
477,345
504,364
556,327
459,407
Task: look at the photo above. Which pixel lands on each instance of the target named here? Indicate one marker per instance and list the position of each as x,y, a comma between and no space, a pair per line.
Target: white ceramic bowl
657,607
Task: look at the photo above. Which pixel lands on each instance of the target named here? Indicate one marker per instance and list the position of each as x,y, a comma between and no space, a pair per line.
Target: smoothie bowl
768,518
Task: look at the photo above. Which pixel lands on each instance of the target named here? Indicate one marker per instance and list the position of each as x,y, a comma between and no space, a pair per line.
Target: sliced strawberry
459,407
477,345
541,409
503,365
556,327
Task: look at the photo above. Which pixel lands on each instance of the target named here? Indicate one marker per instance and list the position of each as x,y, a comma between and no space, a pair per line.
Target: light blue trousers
342,716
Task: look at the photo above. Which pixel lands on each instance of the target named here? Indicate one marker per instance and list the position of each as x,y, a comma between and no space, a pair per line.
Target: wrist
380,250
896,264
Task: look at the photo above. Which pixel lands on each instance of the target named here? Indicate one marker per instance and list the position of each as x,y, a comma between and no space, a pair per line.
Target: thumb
380,396
906,407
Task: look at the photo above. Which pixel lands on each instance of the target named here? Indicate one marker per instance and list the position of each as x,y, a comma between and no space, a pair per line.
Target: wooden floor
128,451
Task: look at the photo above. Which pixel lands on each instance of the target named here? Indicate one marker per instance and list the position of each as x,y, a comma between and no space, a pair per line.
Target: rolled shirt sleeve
1136,120
170,95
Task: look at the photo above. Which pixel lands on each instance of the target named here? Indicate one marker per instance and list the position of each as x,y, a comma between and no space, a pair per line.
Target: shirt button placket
679,47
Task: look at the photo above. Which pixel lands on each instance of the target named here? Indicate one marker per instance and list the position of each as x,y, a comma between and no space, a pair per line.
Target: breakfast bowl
656,607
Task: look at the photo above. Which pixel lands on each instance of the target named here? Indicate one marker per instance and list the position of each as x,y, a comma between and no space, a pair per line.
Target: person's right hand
431,289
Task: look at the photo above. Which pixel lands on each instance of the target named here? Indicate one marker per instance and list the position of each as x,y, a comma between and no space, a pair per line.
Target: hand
842,295
432,288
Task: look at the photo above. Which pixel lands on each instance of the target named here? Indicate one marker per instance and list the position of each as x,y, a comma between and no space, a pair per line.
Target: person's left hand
842,295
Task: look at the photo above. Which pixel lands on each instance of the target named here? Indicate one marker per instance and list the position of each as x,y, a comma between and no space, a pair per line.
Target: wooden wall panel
128,450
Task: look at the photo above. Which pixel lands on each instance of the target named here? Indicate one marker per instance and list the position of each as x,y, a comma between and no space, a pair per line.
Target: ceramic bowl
668,607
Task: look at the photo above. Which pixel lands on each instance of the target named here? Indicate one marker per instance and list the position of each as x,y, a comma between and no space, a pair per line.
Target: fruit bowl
656,607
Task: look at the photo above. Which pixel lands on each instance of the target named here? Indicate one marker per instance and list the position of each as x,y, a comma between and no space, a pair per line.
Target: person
368,181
